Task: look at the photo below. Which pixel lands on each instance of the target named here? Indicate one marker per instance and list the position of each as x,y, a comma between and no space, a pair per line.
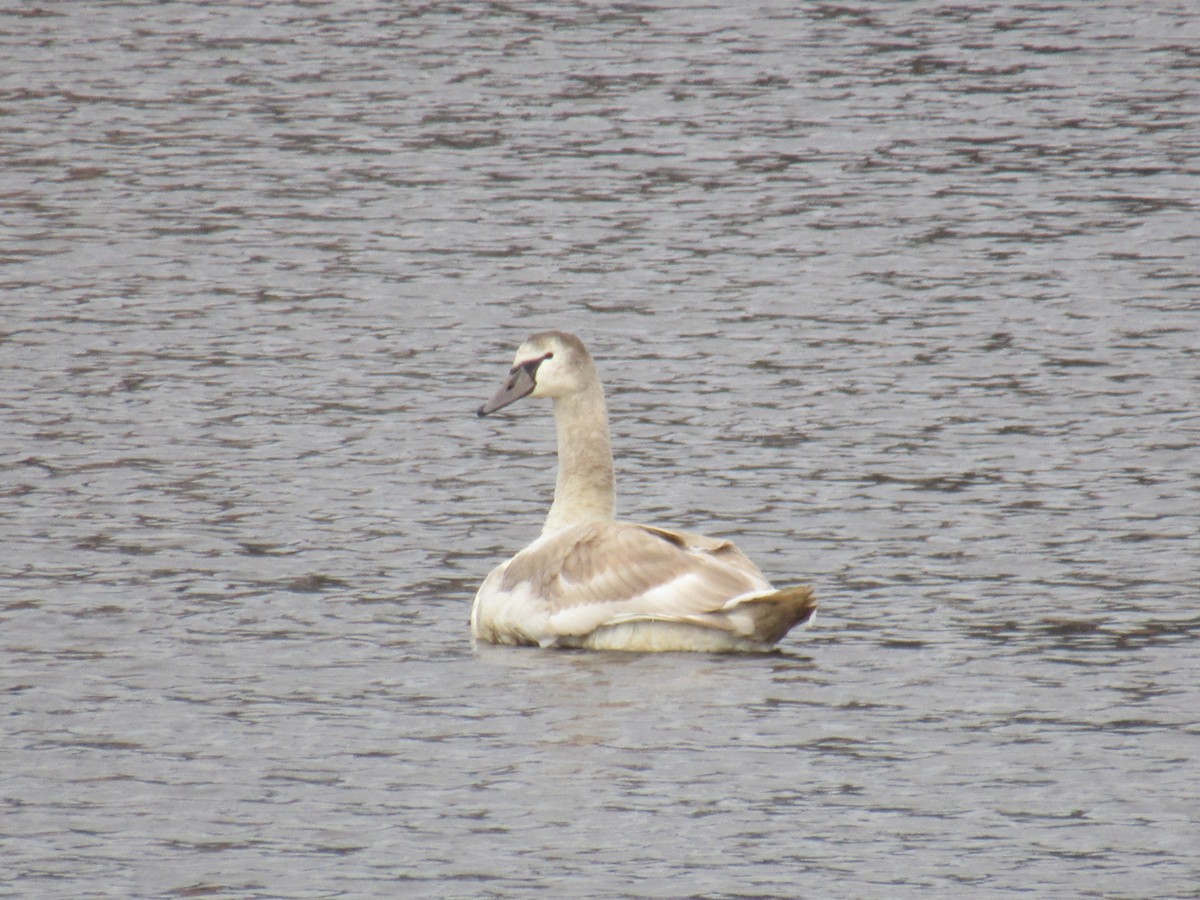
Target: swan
590,581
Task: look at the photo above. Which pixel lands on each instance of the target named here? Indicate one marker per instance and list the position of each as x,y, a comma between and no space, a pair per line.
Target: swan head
551,364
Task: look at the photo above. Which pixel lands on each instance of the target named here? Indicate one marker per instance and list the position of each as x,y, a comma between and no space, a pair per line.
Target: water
901,296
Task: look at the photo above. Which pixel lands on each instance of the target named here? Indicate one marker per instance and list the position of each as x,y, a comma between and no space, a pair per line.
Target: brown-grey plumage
591,581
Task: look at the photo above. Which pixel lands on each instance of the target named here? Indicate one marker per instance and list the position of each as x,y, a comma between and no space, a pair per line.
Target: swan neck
585,490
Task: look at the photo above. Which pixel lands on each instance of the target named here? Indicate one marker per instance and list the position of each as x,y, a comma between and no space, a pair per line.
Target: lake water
902,296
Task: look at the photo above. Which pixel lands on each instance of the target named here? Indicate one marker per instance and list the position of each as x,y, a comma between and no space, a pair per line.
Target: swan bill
520,383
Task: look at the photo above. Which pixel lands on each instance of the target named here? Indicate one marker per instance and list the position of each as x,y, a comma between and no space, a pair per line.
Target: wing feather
601,573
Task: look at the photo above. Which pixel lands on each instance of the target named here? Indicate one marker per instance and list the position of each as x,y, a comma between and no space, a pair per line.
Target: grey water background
904,297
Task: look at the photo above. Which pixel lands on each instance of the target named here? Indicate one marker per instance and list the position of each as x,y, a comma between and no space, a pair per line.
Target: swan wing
604,573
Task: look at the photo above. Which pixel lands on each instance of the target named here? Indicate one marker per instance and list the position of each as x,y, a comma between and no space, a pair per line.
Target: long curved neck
585,490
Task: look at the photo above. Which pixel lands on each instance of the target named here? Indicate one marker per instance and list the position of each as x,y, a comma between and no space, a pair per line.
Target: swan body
591,581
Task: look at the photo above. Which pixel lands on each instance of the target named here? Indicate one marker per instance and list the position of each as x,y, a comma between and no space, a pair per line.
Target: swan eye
531,366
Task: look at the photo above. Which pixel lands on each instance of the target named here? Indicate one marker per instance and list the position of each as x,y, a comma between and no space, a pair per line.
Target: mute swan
591,581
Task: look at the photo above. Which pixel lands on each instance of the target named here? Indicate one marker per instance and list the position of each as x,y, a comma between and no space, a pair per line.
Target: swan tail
772,614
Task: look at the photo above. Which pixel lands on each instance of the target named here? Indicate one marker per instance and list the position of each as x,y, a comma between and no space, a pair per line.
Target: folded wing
606,573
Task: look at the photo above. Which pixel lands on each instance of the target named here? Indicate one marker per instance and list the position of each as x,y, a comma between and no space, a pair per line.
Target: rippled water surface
902,296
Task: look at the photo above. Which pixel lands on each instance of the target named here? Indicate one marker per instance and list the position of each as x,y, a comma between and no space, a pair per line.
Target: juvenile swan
591,581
